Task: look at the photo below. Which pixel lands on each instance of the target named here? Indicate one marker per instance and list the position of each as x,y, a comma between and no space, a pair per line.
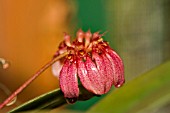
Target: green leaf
50,100
147,93
46,101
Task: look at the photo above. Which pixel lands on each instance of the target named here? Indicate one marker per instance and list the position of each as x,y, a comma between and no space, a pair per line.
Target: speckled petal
83,75
90,77
106,71
69,82
117,65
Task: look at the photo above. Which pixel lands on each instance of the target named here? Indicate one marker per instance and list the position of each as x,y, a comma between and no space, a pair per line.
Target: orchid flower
91,60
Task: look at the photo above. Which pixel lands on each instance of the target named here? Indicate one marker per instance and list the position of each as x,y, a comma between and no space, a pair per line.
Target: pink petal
89,76
67,39
83,75
95,35
69,82
80,35
105,69
117,65
88,35
56,68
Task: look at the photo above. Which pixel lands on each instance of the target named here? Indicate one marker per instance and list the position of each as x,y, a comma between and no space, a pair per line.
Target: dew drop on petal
118,85
71,100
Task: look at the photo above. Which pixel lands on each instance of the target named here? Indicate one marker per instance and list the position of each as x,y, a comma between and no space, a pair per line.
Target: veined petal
69,82
117,65
94,76
105,69
83,75
90,77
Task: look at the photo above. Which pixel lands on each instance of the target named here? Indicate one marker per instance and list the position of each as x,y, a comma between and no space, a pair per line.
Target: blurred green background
137,30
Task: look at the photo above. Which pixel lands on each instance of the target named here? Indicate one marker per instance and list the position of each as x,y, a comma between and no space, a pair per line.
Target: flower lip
92,60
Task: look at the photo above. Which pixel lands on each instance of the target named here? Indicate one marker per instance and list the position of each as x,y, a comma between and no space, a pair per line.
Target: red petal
89,76
105,69
88,35
69,82
117,65
67,39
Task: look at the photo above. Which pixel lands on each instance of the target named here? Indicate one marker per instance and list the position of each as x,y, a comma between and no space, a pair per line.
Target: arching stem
33,77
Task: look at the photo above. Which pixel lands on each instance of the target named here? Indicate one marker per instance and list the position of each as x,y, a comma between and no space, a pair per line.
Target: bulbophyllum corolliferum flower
91,60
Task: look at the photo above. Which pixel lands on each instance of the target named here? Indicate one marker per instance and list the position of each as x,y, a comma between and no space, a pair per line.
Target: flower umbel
87,57
90,59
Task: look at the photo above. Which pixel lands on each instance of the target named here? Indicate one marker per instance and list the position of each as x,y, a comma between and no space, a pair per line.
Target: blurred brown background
30,32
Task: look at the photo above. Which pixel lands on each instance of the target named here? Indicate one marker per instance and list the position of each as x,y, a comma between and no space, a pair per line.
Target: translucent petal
56,68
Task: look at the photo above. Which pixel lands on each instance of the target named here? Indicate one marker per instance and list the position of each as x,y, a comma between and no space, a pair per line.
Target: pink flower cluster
91,60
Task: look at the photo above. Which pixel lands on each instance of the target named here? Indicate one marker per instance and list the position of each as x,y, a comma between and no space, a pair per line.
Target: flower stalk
33,77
